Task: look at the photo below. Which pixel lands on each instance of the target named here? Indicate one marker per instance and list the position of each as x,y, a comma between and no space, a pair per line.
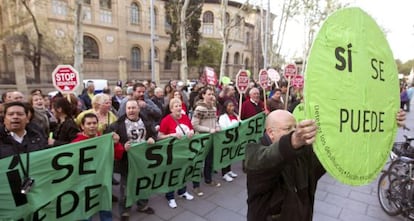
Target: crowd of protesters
126,110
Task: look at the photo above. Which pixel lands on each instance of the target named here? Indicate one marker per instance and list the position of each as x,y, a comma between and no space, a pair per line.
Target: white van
100,84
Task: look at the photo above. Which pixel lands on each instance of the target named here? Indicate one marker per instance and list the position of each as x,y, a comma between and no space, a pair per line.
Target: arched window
236,58
246,63
135,13
90,48
227,57
208,22
135,58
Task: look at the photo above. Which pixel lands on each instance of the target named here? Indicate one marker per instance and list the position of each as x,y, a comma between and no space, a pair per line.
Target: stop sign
290,71
65,78
297,81
263,78
242,81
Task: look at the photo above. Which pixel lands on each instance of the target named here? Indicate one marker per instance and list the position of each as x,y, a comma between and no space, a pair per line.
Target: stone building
117,40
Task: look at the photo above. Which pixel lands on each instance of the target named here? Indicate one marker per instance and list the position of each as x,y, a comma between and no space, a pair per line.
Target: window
167,25
59,7
227,57
236,58
90,48
105,4
247,39
87,16
208,22
135,13
135,58
155,18
246,63
167,62
106,16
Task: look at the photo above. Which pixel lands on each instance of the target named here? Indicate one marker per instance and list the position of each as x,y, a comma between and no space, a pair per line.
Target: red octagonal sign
242,81
65,78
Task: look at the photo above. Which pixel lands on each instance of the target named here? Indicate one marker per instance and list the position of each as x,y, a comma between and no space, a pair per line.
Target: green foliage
209,54
193,24
406,67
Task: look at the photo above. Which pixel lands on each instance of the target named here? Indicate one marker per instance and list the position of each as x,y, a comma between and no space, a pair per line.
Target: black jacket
32,141
65,132
119,127
281,181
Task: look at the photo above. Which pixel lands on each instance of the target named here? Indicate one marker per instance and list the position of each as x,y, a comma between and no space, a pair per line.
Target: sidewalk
334,201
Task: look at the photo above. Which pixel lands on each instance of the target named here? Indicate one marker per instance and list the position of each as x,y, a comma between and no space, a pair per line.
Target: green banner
352,91
71,182
229,145
165,166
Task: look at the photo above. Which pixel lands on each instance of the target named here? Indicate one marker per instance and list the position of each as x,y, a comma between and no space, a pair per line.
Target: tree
31,38
208,52
227,25
35,57
184,17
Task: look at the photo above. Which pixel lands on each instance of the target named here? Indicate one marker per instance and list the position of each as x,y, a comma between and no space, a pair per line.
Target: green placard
352,91
299,112
71,182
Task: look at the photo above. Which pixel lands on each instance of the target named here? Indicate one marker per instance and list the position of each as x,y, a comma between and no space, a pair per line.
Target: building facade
116,38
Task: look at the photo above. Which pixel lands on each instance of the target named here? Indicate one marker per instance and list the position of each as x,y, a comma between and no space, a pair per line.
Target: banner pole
287,93
240,105
264,98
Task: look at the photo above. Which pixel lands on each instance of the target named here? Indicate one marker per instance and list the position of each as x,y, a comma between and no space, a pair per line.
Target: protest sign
165,165
71,182
229,145
351,90
299,112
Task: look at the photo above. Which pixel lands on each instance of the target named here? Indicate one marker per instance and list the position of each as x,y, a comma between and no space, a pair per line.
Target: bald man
282,171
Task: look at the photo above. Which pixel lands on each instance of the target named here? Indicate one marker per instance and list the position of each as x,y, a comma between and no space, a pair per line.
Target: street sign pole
242,82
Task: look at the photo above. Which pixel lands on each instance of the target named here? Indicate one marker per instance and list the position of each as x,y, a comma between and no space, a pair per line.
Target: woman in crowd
40,116
178,94
167,92
67,129
176,124
101,107
227,119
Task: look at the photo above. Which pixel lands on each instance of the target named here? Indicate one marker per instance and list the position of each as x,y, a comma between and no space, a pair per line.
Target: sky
396,17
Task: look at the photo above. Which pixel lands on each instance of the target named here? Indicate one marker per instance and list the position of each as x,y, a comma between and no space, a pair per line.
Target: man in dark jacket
15,135
282,171
16,138
132,127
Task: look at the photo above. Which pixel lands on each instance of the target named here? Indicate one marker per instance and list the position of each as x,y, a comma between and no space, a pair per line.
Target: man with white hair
253,105
17,96
158,99
117,97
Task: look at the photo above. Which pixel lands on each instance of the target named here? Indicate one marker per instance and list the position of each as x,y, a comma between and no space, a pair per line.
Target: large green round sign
352,91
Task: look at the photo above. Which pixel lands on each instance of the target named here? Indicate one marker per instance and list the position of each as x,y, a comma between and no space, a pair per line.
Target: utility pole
78,46
266,40
152,42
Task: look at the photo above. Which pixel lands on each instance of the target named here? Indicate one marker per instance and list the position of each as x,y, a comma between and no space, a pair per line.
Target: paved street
334,201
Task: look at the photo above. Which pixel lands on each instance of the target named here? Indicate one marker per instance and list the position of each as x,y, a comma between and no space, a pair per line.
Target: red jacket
118,148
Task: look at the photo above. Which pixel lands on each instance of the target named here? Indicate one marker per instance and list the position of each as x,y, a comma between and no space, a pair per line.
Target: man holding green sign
346,133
